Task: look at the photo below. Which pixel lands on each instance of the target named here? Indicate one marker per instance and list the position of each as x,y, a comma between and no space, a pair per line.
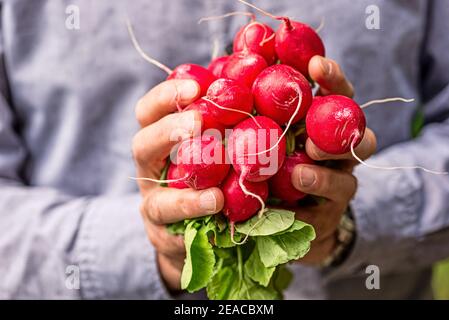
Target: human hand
151,147
337,185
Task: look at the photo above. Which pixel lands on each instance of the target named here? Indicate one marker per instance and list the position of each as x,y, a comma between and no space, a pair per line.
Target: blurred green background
441,280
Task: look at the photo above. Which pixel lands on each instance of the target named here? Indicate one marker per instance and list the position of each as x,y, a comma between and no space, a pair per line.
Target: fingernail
208,202
188,89
307,177
326,66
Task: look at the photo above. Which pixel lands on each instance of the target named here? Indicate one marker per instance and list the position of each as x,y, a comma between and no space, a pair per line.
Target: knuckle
139,110
185,207
138,147
154,211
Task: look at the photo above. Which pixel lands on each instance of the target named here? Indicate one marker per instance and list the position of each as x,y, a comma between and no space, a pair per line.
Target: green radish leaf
220,286
285,246
418,123
200,259
246,289
282,278
176,228
220,222
256,271
272,222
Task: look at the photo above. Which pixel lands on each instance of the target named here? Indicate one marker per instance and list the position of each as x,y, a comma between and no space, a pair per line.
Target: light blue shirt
67,122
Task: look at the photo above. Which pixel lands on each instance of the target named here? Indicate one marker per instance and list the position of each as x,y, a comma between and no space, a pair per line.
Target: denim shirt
69,217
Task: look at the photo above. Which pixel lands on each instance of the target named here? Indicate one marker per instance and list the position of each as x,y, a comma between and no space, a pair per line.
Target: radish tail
142,53
247,236
249,193
369,103
233,110
159,181
321,26
230,14
392,168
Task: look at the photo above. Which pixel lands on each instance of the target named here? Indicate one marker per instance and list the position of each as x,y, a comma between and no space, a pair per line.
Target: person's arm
44,231
402,217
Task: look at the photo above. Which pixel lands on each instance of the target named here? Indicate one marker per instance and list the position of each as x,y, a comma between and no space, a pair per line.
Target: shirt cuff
115,258
386,216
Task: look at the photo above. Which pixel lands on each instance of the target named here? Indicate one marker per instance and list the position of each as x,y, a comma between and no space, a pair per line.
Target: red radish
231,101
296,42
184,71
195,72
258,38
244,67
281,186
217,64
202,162
277,91
334,123
208,120
173,175
248,138
239,206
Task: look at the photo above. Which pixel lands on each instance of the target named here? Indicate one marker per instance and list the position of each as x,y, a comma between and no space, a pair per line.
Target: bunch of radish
261,95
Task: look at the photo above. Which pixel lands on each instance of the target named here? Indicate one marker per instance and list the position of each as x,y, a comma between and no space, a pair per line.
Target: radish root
159,181
369,103
391,168
286,128
233,110
230,14
247,235
142,53
321,26
249,193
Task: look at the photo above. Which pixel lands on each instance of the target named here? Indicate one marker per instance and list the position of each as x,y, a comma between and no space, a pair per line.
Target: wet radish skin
208,119
334,122
233,95
281,185
244,67
216,66
238,206
275,94
296,44
194,72
202,161
244,140
255,39
173,174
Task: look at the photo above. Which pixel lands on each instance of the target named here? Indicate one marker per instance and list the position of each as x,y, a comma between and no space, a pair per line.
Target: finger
324,218
163,99
365,149
335,185
170,272
169,245
169,205
328,74
319,251
154,142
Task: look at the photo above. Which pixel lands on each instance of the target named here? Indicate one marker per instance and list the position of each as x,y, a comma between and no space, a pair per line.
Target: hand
337,186
151,147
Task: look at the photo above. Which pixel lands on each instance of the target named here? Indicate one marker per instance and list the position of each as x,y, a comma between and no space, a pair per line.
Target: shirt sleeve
402,216
50,241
